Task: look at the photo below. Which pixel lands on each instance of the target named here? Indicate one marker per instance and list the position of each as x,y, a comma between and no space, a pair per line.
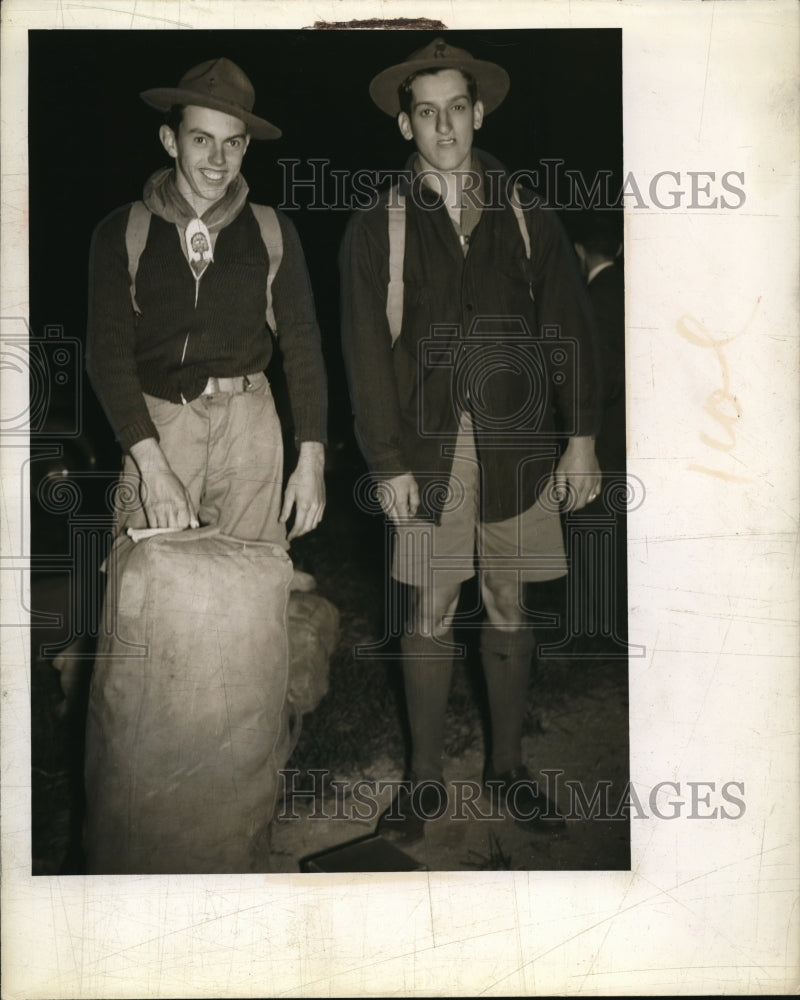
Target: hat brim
163,98
493,81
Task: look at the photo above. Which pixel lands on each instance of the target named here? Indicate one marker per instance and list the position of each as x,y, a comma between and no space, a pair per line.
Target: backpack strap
396,216
139,226
272,236
135,239
516,204
523,229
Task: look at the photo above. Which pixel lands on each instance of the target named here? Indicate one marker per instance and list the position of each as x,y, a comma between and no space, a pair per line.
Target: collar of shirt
465,218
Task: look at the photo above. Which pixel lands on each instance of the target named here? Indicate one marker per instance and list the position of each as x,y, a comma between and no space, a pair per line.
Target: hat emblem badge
438,52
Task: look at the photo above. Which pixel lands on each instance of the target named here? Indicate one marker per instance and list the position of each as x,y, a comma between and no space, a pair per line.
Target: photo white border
712,306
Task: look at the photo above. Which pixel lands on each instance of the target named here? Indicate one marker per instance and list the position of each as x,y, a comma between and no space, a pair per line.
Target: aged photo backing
710,195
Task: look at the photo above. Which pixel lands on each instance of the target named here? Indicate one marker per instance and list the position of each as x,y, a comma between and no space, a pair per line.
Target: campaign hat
492,80
218,84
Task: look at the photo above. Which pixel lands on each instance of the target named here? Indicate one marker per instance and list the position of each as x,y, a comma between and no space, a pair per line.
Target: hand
305,491
167,503
577,476
399,497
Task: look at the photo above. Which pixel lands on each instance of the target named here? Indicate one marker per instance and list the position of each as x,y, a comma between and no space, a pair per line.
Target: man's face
442,120
208,153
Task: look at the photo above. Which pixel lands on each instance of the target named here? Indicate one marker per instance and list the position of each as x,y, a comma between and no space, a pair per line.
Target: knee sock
506,659
426,677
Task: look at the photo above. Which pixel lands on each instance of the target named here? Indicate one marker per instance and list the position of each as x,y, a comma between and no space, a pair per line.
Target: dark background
93,141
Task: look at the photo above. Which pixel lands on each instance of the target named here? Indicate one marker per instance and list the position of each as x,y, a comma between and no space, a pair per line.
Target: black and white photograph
380,622
383,447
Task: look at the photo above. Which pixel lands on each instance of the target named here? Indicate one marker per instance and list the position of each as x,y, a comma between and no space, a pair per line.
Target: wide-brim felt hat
492,80
218,84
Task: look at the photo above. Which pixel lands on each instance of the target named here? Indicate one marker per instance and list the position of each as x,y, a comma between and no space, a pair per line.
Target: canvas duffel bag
188,721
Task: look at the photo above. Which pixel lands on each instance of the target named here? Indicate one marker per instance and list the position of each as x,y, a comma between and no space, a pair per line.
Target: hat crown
492,80
438,49
222,80
218,84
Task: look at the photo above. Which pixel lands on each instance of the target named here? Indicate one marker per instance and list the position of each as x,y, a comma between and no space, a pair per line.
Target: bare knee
433,609
501,598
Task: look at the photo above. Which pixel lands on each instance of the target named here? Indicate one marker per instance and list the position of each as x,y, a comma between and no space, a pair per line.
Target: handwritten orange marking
721,404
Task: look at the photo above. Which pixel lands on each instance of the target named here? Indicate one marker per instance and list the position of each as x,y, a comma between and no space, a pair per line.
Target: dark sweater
172,349
471,338
607,296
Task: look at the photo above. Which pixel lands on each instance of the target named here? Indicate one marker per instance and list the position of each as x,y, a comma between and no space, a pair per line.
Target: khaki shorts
529,546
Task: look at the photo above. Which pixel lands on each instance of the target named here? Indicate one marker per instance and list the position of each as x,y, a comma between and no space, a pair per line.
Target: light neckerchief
197,234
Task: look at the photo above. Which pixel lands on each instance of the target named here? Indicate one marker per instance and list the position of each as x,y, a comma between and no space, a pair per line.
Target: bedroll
189,720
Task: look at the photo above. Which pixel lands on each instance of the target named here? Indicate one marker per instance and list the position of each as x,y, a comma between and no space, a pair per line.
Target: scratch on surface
641,902
736,946
705,81
708,536
789,930
760,867
76,962
430,909
121,10
635,873
709,682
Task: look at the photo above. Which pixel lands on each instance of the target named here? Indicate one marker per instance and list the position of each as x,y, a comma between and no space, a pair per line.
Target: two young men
463,390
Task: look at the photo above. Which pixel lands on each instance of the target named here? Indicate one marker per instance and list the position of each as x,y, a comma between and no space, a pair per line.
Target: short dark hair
174,117
405,96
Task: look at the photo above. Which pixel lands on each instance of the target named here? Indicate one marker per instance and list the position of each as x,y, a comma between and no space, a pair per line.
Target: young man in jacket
177,352
461,416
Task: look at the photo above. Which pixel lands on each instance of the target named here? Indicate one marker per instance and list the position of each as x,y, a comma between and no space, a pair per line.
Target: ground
577,725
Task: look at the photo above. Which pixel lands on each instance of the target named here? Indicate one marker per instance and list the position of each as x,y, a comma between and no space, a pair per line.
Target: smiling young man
188,289
462,400
177,350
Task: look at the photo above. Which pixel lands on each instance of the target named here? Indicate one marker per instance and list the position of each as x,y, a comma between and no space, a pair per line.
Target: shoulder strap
516,204
272,236
396,215
135,240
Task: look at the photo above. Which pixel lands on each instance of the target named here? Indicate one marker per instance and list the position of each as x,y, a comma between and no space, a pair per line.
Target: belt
234,385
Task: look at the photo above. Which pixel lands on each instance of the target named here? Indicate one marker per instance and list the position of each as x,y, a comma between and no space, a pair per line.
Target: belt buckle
233,385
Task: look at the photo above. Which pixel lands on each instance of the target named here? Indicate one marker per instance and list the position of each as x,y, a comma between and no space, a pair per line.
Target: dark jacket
472,337
607,296
173,348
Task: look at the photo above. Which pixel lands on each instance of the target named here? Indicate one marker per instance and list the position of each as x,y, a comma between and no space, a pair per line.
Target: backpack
139,226
396,213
